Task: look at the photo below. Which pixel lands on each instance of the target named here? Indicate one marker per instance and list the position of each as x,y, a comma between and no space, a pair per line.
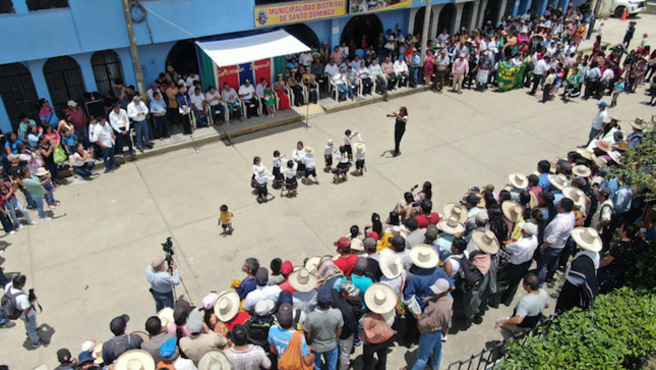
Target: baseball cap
63,355
118,324
195,322
373,235
440,286
167,349
396,240
369,242
324,295
285,315
343,243
602,104
349,288
262,276
431,232
71,103
287,268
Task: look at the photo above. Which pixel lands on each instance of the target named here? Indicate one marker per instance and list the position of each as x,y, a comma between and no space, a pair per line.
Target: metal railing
489,358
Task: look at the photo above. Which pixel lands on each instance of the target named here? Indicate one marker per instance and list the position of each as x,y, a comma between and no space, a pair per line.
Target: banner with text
509,76
298,12
369,6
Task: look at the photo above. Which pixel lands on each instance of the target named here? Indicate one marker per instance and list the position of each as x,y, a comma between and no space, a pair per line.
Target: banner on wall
298,12
509,76
236,75
369,6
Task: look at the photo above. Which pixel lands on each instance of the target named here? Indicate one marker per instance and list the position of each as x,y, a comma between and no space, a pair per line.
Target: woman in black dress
399,128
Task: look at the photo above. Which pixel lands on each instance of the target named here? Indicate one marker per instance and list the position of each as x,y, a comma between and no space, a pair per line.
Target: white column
474,18
456,26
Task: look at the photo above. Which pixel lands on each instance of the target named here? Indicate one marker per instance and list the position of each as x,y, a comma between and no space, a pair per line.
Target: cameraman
162,281
23,303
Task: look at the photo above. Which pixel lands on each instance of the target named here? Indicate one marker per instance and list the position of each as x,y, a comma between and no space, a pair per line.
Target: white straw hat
451,225
424,256
303,280
457,210
135,359
587,238
486,241
214,360
512,210
518,180
390,264
227,305
380,298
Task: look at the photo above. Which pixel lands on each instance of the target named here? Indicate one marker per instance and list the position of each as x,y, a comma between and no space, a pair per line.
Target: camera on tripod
167,246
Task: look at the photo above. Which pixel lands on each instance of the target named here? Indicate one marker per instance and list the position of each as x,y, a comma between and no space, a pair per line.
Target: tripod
192,124
171,258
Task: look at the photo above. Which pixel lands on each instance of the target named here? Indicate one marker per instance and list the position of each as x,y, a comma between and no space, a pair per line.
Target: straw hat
622,146
512,210
424,256
518,180
454,209
599,161
303,280
604,146
97,353
638,123
585,153
390,264
309,150
558,181
214,360
380,298
486,241
533,203
451,225
227,305
42,171
166,317
552,165
360,148
135,359
587,238
615,156
581,170
141,334
312,262
576,195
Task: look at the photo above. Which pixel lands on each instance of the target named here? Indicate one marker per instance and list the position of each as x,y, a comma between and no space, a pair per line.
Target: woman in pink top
337,55
429,67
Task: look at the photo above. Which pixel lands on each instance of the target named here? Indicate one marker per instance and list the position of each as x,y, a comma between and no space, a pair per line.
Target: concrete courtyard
87,264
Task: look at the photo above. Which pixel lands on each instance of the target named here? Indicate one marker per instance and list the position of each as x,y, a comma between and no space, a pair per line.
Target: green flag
509,76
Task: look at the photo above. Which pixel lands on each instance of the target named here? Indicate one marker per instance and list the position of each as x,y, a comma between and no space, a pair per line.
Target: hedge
618,332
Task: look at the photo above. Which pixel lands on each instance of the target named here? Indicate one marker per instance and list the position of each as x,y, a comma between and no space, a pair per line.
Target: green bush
619,332
642,274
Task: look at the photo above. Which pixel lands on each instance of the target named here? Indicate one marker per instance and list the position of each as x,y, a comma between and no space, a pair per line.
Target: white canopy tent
247,49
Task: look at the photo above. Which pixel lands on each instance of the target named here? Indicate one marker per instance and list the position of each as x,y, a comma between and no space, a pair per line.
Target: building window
106,68
34,5
18,92
64,80
7,7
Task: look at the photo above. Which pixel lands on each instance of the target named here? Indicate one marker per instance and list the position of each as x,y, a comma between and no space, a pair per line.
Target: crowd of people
408,277
404,278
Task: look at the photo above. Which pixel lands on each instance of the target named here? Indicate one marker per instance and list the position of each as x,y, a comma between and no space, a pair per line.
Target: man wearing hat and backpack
581,286
434,323
474,301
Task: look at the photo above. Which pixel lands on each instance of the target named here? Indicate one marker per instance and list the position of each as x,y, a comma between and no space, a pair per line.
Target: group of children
302,164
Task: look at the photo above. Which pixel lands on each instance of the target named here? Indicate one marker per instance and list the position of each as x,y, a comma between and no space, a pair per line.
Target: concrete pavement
87,265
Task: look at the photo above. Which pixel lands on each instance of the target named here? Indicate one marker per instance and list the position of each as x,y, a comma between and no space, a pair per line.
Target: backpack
469,277
8,305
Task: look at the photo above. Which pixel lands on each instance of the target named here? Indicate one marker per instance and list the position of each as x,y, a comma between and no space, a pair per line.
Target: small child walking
360,150
617,90
225,219
328,151
310,166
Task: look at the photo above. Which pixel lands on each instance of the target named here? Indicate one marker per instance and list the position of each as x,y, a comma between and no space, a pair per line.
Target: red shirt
287,286
346,264
424,220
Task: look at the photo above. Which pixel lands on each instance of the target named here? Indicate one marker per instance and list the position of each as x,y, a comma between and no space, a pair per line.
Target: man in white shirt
343,85
189,82
198,107
378,76
103,136
119,121
213,98
331,69
555,236
401,70
22,302
247,95
539,72
137,112
231,98
598,123
519,261
259,90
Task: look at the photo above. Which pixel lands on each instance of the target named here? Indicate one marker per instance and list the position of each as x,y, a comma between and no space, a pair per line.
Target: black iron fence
489,358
